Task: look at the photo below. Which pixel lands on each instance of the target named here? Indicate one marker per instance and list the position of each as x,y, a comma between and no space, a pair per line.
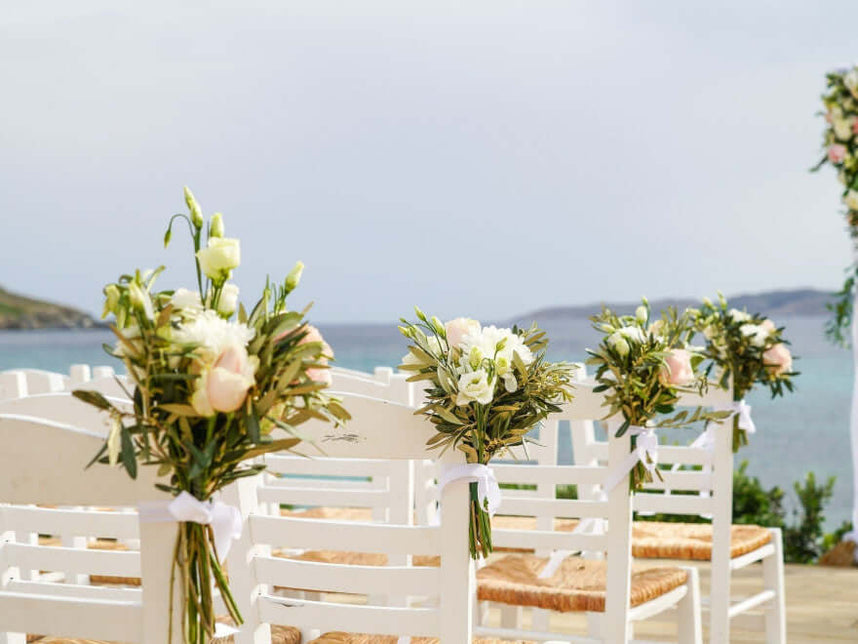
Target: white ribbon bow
224,519
645,451
488,490
743,411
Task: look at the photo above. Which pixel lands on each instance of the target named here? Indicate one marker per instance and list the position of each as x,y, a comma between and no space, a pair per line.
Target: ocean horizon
803,432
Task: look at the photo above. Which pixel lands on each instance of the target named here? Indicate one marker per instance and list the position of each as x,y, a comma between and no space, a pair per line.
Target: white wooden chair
43,463
16,383
378,430
63,408
706,492
623,596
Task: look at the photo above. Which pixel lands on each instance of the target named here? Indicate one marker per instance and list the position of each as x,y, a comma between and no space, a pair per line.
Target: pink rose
457,330
855,126
224,387
836,153
677,370
778,360
319,375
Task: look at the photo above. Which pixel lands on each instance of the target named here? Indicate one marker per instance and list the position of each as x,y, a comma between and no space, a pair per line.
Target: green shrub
803,540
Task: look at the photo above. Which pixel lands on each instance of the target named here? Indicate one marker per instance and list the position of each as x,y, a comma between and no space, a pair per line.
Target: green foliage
803,540
840,146
753,504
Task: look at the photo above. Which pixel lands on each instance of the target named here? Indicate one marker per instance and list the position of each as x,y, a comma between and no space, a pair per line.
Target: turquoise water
808,431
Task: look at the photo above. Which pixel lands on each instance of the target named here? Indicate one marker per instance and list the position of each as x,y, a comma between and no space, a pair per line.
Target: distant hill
21,312
801,302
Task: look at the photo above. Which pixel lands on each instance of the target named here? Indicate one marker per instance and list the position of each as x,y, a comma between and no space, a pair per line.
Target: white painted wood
714,487
383,430
13,384
321,534
619,550
773,581
690,626
52,521
43,463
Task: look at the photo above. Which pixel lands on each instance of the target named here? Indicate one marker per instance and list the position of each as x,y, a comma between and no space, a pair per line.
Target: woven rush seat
577,585
279,635
656,540
661,540
359,638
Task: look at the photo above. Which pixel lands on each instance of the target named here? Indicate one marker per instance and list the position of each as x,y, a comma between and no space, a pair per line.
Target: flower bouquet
840,142
487,388
747,348
643,366
212,383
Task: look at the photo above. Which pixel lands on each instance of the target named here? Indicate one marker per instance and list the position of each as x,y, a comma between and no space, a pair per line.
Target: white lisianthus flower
756,332
475,387
641,314
850,79
491,343
739,316
851,200
186,300
221,256
842,129
228,301
435,346
505,371
634,333
212,334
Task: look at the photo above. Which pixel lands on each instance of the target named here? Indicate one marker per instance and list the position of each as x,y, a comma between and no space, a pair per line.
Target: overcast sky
475,158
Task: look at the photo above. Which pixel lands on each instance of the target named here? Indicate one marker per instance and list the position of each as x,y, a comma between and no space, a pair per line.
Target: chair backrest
43,463
378,430
554,535
381,487
16,383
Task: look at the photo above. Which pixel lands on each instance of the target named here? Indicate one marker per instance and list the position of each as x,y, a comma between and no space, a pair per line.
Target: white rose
228,301
185,299
221,256
475,387
851,200
739,316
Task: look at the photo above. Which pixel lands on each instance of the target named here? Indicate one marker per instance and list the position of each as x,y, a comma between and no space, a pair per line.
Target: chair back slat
321,534
351,579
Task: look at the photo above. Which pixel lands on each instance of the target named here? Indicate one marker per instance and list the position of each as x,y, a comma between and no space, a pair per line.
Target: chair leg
773,579
689,621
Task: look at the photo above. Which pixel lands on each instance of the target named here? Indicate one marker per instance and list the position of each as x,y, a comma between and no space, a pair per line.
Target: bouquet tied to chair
487,388
214,388
642,366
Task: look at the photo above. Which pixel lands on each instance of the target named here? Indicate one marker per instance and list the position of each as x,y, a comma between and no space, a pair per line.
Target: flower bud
293,278
641,314
707,301
194,207
111,299
216,225
140,299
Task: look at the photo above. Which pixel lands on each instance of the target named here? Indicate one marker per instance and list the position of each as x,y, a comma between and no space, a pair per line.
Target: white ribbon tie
224,519
743,411
645,451
488,490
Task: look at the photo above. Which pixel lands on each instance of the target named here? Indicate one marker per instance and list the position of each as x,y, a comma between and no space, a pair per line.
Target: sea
807,431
